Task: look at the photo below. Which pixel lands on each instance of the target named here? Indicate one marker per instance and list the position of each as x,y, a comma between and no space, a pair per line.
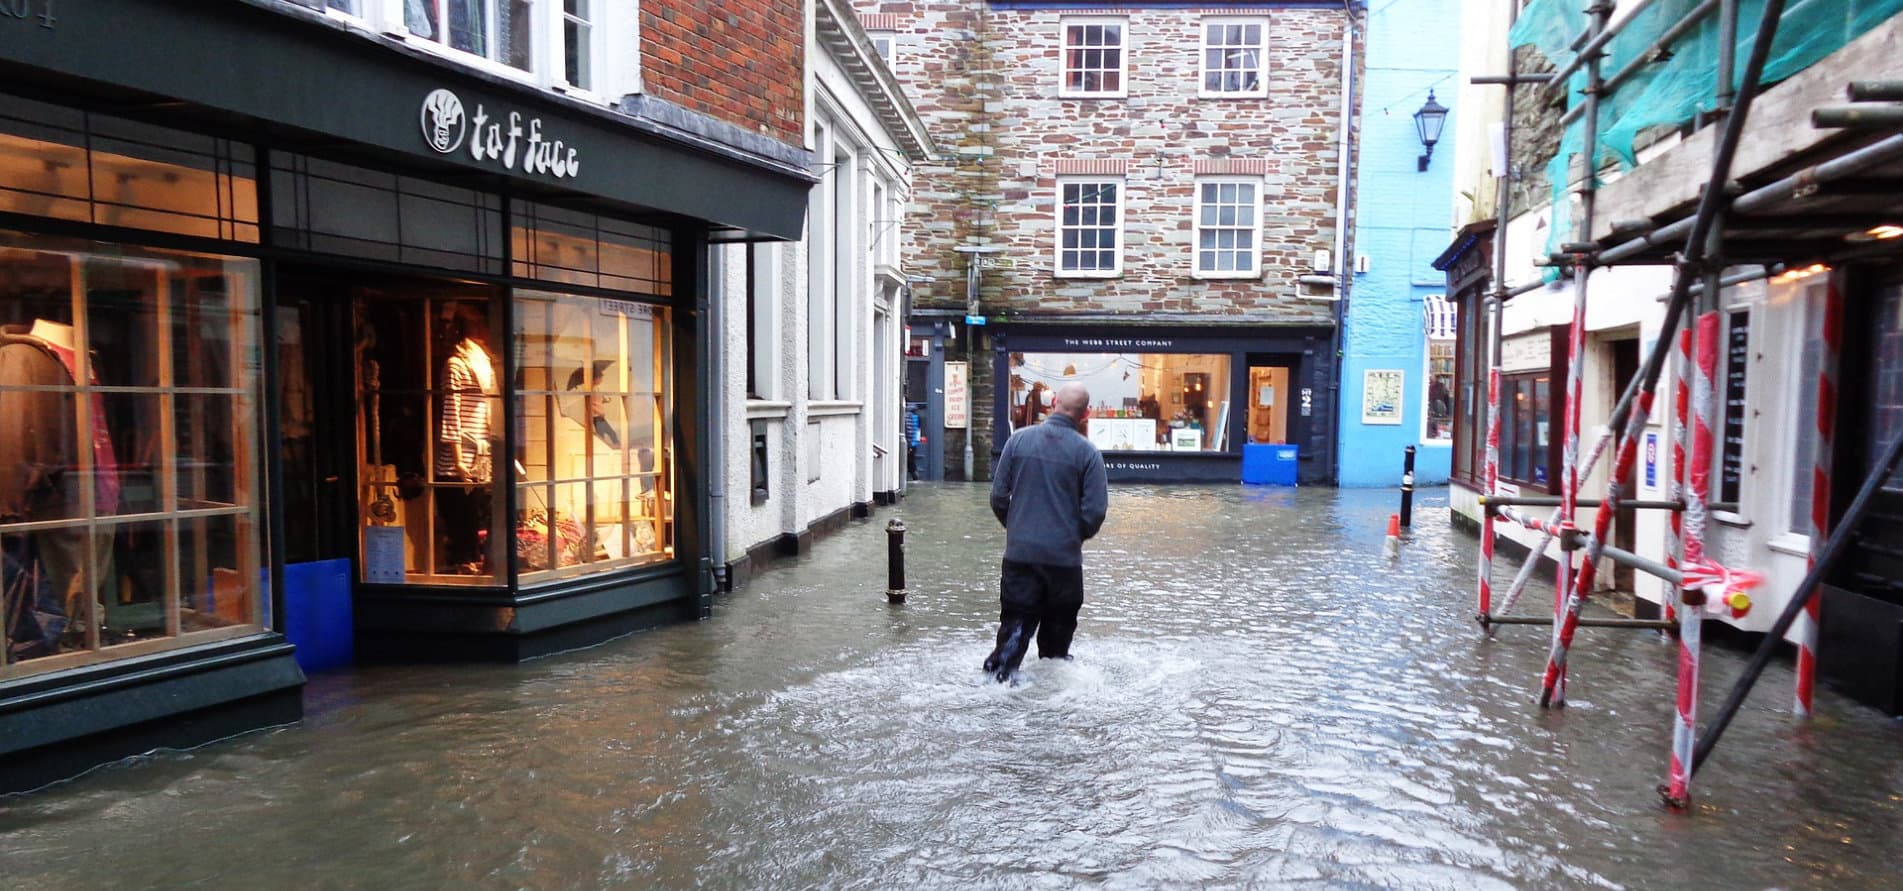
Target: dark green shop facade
315,349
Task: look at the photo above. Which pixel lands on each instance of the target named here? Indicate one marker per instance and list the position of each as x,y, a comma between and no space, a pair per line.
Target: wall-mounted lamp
1427,123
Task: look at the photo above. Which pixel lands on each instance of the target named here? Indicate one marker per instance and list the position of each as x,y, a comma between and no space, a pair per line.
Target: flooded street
1260,699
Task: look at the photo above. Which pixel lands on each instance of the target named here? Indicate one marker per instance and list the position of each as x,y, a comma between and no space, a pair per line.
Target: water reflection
1260,699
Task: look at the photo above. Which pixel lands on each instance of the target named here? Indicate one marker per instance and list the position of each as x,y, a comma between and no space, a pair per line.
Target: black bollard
895,561
1407,487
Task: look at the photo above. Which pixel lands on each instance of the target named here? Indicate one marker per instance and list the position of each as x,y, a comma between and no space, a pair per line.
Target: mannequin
38,447
464,449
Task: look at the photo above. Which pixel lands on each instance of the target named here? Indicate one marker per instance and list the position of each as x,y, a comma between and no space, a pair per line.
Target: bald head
1073,400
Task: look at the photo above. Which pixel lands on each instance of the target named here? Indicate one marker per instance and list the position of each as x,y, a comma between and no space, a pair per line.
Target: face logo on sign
444,121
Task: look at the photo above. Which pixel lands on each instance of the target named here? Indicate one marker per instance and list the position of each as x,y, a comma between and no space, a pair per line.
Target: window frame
1261,89
1057,219
1064,48
1255,229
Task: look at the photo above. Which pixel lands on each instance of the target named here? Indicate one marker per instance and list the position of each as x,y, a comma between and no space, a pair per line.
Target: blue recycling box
1269,465
317,614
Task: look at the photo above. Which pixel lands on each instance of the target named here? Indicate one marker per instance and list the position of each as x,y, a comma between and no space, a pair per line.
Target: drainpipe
717,414
1344,268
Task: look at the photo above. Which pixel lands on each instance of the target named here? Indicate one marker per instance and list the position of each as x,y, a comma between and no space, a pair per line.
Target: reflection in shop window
1139,401
129,495
1440,392
596,413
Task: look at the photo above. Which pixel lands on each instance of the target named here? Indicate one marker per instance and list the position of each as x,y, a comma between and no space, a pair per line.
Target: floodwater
1260,699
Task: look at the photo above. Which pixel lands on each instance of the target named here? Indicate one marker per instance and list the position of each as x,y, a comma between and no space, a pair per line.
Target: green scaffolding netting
1672,91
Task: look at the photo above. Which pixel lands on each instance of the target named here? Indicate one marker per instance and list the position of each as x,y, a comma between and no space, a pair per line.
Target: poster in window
957,397
1381,396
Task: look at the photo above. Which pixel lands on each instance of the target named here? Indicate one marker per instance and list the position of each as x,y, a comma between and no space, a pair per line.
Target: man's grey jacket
1048,490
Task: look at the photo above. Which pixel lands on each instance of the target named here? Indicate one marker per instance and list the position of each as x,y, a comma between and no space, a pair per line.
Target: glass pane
514,22
129,461
133,601
1139,401
211,450
419,16
469,26
217,588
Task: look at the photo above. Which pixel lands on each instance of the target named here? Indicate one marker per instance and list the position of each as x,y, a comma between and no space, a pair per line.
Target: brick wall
742,61
987,86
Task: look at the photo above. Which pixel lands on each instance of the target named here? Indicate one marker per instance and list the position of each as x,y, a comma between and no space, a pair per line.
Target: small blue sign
1652,460
974,320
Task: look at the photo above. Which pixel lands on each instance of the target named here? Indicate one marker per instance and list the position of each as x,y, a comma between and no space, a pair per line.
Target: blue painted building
1397,364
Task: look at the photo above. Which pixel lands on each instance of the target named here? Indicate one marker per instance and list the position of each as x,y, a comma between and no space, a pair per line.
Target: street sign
974,320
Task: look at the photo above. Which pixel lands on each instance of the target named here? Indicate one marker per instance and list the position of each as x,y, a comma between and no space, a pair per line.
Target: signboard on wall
1527,352
957,396
1381,393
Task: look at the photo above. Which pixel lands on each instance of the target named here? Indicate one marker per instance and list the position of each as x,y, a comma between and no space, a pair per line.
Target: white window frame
1064,48
1203,47
1057,244
1254,230
614,45
886,44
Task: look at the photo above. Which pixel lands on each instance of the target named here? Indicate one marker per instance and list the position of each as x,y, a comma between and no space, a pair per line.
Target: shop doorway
1268,404
383,465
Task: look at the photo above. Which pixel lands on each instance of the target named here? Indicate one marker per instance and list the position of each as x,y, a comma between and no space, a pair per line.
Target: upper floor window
1228,221
1089,227
1235,57
1094,60
497,30
578,39
882,43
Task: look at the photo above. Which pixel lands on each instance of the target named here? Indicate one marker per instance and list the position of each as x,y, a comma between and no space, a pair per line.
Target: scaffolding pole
1826,420
1690,266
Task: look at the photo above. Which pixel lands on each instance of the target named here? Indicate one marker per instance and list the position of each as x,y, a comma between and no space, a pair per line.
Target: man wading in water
1048,490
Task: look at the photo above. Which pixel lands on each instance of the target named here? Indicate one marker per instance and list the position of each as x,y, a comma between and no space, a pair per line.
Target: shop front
1175,404
291,382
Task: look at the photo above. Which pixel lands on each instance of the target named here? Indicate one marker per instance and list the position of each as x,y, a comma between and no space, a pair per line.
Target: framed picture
1381,394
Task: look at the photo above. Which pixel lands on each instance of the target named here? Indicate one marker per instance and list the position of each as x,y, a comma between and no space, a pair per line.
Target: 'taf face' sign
447,126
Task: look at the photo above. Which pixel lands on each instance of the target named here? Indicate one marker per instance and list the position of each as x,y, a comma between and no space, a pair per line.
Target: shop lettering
22,10
493,142
1131,465
499,140
1111,342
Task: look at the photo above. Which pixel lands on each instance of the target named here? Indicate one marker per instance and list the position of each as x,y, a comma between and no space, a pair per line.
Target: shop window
1526,412
497,30
1804,421
1089,228
1235,57
330,208
1094,59
572,247
91,168
1439,407
1139,401
1228,222
429,384
594,445
130,501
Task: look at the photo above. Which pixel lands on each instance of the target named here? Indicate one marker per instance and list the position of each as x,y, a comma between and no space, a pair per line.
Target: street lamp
1427,123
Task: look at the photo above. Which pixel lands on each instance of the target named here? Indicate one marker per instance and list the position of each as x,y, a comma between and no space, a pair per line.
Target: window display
429,425
1139,401
593,449
129,494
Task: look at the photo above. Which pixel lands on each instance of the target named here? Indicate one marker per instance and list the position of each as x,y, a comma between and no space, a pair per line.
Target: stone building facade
1119,131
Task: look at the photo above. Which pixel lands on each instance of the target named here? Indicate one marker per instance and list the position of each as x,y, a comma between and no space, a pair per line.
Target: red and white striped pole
1692,614
1832,341
1525,575
1493,485
1565,591
1681,410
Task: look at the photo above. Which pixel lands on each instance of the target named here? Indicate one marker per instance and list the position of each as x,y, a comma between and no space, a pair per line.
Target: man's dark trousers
1037,599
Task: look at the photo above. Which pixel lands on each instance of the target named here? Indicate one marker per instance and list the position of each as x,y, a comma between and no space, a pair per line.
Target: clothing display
462,436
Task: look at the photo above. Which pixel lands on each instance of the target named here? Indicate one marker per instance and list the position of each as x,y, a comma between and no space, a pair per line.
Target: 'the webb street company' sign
504,141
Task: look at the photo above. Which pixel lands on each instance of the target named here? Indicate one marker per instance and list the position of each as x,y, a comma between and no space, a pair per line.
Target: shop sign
501,140
1132,465
957,396
1308,402
1527,352
29,10
1118,343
